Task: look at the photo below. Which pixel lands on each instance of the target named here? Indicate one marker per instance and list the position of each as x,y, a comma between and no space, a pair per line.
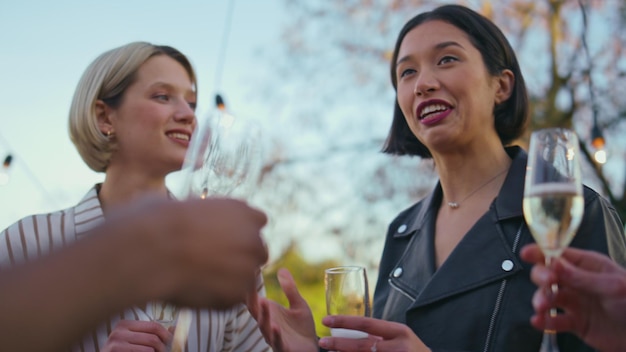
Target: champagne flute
224,158
347,293
553,201
164,314
175,319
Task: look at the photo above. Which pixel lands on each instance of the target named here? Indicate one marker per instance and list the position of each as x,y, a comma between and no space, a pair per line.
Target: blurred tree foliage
309,278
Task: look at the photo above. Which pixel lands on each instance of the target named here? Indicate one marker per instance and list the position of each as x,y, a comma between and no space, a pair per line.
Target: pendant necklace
456,205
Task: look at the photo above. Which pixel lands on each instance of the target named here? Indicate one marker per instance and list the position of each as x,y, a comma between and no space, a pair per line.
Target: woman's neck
121,188
463,174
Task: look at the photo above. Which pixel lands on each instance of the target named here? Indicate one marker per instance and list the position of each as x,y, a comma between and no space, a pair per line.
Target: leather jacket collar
508,204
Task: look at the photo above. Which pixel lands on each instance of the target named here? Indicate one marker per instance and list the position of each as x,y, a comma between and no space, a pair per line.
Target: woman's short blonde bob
106,79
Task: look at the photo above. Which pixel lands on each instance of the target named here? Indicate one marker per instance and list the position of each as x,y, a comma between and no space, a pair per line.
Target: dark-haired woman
450,275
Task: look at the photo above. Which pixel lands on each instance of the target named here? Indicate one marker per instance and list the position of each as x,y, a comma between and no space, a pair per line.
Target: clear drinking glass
223,159
553,198
347,293
164,313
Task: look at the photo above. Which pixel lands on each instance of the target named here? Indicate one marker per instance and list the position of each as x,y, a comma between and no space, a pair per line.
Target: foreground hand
291,329
592,295
133,335
384,335
206,252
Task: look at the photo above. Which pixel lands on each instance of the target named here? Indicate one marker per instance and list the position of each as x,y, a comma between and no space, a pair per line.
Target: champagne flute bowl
224,158
347,293
553,202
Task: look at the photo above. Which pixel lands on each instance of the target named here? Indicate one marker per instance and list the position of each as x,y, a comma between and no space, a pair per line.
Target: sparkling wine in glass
347,293
553,199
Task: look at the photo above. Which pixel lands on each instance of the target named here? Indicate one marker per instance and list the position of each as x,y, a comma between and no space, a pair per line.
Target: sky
46,45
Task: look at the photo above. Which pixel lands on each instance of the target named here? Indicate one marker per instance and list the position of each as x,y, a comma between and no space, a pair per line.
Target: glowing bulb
600,156
4,177
227,120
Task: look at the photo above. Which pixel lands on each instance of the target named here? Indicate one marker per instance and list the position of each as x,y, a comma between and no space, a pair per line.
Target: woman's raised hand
285,329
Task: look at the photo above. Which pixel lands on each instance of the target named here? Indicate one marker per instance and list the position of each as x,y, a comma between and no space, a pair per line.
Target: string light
23,165
4,172
226,117
222,53
7,161
597,140
219,102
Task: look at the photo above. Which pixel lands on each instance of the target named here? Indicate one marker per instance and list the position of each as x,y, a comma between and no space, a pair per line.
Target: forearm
48,304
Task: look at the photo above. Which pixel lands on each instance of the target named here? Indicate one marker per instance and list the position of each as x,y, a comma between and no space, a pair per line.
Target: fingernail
323,342
535,302
544,276
328,320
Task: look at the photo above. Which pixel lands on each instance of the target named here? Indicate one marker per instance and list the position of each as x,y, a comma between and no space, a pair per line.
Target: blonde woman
132,117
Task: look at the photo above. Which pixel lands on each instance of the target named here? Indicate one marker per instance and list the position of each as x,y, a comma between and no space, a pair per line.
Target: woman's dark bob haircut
510,116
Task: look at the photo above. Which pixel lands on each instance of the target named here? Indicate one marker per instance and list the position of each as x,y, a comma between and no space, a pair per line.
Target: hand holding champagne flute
553,202
347,293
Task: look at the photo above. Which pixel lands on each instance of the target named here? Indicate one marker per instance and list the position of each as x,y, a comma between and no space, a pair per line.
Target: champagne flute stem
554,289
549,342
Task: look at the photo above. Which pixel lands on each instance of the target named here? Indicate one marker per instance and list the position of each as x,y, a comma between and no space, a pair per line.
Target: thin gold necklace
456,205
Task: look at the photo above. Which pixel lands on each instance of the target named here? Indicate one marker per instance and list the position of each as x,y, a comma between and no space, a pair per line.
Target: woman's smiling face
443,87
154,123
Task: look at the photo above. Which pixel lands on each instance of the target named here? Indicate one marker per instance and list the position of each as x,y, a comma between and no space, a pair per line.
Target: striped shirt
37,235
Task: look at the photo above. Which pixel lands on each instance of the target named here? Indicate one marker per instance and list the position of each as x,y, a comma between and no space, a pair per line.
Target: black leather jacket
480,297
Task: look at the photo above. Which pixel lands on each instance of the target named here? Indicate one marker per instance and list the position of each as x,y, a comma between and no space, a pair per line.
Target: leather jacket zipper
496,309
492,321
